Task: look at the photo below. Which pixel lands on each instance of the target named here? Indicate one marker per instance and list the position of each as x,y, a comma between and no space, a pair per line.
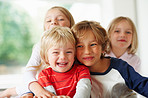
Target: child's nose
122,34
87,50
54,22
62,56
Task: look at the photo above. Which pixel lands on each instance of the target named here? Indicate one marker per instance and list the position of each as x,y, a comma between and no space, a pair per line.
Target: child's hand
44,94
8,93
29,95
5,94
39,91
62,96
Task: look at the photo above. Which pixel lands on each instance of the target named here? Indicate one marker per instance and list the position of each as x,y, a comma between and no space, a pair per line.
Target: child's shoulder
79,67
118,63
133,56
114,62
47,70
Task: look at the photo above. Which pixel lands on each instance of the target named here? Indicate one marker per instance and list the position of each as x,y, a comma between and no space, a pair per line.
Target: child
55,16
123,41
63,77
105,71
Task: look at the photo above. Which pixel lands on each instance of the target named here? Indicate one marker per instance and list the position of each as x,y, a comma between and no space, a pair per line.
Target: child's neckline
103,73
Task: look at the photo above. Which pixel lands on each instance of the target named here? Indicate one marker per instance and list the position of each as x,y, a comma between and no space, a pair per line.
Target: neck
101,66
118,52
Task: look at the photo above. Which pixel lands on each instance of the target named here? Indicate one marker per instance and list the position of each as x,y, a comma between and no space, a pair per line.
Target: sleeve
138,65
33,65
44,78
132,79
83,89
23,87
31,70
35,59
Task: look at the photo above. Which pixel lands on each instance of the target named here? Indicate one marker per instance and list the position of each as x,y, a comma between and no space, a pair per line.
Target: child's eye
69,52
128,32
48,21
55,53
117,31
93,44
61,19
79,46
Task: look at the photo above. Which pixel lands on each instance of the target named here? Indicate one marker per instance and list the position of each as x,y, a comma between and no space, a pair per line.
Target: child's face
61,58
88,49
54,17
121,36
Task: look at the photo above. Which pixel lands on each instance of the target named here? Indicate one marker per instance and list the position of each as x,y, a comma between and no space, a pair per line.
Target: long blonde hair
69,17
66,13
132,49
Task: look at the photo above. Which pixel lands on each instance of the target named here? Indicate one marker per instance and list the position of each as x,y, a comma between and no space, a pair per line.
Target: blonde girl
56,15
123,41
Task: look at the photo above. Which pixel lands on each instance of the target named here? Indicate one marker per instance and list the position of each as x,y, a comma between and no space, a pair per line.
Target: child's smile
88,49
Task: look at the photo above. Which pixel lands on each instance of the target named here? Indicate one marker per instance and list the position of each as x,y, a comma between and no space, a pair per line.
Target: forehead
54,12
125,23
86,35
63,45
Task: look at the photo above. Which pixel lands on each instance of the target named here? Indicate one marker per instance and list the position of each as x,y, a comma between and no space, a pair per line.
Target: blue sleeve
132,79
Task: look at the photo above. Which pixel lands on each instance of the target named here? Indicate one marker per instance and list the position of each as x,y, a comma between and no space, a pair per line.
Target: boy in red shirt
63,77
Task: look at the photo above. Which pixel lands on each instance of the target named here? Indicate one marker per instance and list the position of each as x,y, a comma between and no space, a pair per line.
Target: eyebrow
65,49
120,28
57,16
89,41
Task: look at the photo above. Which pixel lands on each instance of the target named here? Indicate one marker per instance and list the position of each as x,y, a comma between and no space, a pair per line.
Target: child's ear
108,36
103,54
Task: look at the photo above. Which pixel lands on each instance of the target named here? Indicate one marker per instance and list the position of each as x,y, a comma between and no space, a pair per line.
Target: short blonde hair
134,45
57,36
99,32
65,12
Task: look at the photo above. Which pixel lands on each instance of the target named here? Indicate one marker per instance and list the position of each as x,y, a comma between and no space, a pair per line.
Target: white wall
142,22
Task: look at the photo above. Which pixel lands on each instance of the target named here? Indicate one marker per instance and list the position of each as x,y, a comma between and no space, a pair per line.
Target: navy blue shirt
132,79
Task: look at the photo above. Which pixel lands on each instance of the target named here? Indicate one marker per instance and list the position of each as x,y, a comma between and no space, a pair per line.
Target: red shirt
64,83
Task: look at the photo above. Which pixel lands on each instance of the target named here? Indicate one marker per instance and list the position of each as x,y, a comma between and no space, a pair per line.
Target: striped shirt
63,83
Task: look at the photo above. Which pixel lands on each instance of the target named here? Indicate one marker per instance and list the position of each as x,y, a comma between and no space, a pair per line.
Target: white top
31,70
132,59
102,84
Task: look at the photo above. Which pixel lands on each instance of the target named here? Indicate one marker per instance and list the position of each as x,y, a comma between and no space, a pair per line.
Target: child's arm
37,89
28,76
43,92
8,92
83,89
132,79
43,85
28,95
32,67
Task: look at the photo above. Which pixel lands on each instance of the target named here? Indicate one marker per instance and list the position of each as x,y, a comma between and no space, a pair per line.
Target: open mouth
62,64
